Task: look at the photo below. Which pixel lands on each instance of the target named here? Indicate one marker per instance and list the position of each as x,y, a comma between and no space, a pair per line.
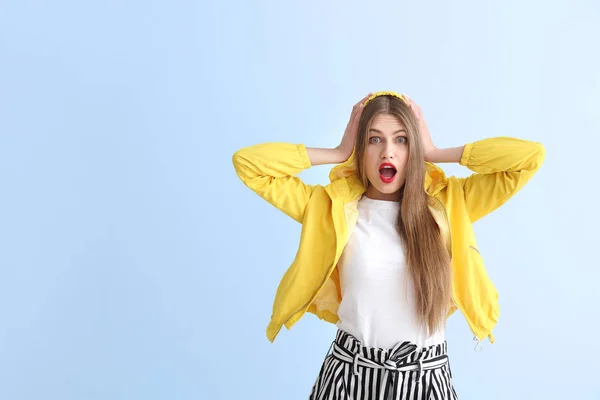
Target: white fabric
378,300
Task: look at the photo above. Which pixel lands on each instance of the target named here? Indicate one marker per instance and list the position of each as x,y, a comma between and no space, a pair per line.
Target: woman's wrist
451,154
320,156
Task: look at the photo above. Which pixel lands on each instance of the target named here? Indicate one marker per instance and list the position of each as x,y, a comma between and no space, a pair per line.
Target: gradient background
135,265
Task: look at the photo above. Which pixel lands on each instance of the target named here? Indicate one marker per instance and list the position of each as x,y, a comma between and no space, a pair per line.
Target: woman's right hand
346,147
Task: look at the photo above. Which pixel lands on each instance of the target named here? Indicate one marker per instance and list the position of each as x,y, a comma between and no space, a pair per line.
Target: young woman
387,251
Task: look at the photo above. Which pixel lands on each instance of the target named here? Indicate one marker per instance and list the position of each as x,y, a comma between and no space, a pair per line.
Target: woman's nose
388,152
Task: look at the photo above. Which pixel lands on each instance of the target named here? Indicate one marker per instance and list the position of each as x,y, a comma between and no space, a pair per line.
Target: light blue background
135,265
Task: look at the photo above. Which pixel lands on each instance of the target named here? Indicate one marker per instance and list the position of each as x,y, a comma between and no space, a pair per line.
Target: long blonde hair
427,257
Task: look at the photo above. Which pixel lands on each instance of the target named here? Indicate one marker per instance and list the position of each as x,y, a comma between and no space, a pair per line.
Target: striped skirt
355,372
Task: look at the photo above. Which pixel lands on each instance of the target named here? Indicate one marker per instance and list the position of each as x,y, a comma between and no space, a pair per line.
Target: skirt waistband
404,356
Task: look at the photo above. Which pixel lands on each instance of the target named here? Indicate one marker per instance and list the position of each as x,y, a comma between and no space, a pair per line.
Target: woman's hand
343,151
433,154
346,147
428,147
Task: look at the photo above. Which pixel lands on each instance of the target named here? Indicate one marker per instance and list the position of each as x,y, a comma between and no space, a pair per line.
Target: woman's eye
375,139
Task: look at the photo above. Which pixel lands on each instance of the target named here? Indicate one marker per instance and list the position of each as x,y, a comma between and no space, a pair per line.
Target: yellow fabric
384,93
328,213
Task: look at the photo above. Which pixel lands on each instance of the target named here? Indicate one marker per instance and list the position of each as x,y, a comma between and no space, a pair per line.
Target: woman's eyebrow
378,131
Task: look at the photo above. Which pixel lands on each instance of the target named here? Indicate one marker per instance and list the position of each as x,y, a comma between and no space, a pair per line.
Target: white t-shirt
378,299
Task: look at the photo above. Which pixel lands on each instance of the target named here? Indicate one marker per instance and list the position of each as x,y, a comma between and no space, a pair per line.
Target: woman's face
386,157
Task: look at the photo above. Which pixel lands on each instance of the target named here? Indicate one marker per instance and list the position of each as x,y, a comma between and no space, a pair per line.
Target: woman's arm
502,166
318,156
270,169
449,155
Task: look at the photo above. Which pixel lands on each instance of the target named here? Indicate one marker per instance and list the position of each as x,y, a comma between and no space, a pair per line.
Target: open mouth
387,172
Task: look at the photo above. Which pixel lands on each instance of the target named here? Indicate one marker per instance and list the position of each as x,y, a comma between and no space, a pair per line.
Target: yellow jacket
328,214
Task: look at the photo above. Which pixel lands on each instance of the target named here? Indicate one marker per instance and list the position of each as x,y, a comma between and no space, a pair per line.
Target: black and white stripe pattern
355,372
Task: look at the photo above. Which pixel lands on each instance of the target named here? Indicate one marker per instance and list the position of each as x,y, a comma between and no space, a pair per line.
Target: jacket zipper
475,338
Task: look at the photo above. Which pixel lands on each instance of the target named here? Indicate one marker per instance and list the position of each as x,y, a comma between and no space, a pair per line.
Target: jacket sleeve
503,165
269,170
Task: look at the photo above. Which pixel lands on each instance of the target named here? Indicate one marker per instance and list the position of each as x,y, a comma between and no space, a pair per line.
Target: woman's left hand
428,146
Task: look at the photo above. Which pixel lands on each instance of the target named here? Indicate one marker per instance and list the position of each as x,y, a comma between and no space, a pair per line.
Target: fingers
357,110
362,101
409,101
413,106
